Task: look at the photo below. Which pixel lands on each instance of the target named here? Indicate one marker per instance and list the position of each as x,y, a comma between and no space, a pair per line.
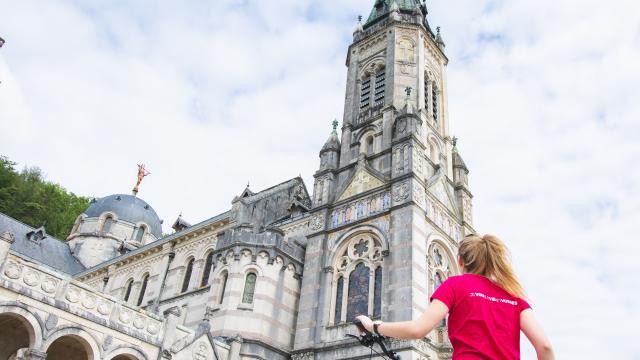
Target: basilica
282,273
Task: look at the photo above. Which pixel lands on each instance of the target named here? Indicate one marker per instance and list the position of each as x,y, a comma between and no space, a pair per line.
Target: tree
28,197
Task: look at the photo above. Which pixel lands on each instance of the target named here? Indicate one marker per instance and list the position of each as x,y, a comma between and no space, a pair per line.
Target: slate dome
128,208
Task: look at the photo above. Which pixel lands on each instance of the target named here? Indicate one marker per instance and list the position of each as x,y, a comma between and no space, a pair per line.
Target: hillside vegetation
27,196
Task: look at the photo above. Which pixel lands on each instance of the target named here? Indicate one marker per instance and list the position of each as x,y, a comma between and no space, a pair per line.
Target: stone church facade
281,274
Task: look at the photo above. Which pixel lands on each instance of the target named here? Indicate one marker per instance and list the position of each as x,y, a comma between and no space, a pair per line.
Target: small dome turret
111,226
127,208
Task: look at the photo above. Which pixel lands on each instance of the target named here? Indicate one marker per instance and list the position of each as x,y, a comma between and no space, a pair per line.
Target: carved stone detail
125,316
303,356
104,308
49,285
317,222
138,322
31,278
13,270
153,328
200,351
401,192
73,295
89,301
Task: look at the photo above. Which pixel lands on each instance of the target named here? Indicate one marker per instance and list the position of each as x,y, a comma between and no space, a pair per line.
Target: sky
211,95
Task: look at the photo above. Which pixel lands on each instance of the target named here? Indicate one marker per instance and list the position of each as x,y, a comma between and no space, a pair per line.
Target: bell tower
391,197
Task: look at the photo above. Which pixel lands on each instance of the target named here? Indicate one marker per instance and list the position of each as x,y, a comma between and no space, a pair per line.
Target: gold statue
142,172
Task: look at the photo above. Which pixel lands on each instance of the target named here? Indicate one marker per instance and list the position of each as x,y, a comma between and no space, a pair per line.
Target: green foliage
28,197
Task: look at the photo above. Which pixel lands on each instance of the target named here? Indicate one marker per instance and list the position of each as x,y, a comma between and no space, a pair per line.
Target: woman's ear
460,264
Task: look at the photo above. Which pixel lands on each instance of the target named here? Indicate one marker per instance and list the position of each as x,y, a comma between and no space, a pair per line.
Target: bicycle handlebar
369,339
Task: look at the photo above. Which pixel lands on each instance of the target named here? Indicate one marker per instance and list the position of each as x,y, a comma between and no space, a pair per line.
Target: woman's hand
366,322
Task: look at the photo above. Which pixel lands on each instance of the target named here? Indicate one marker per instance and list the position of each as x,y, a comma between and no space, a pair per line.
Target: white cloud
211,94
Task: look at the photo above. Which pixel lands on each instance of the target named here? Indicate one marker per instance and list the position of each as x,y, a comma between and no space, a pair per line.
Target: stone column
6,239
236,344
172,319
107,280
168,257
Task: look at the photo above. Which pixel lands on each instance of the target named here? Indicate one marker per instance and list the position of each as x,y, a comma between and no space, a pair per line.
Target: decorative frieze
360,209
303,356
78,296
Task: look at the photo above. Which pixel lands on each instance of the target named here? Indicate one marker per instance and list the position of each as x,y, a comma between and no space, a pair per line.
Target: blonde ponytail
488,256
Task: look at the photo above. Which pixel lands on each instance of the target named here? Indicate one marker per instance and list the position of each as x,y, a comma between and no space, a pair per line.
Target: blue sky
211,94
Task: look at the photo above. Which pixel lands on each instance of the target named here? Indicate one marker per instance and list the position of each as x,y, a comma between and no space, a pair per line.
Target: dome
128,208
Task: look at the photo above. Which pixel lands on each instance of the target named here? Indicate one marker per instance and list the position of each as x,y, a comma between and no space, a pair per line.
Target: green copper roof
382,7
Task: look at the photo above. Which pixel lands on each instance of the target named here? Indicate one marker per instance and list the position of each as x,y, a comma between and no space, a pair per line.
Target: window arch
367,139
208,264
140,233
441,266
223,286
372,87
434,151
249,288
357,281
127,292
107,224
143,289
369,144
187,276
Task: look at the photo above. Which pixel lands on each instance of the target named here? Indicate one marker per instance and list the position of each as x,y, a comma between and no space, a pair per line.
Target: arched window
369,145
357,274
440,268
249,288
108,222
379,88
207,269
127,292
435,99
143,289
358,298
434,152
223,286
187,276
140,233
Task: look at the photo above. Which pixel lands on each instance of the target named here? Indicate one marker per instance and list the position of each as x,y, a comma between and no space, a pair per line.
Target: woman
485,306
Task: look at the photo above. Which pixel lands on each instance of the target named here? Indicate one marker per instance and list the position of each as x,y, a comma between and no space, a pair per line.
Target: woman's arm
533,331
415,329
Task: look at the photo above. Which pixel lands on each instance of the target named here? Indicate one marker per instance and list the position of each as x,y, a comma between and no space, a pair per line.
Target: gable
441,191
362,181
200,349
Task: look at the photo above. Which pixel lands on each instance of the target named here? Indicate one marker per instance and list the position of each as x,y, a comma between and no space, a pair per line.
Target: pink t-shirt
484,319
